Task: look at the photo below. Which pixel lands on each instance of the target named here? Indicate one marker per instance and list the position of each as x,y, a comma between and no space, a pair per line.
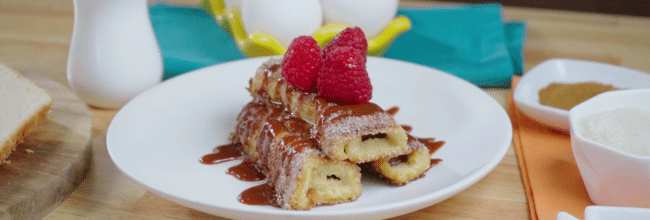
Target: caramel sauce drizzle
289,135
392,110
279,135
263,194
407,128
222,154
430,143
335,113
246,171
435,162
289,132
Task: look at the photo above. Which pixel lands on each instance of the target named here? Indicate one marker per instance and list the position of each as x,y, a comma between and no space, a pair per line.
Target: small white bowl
612,177
526,95
615,213
596,212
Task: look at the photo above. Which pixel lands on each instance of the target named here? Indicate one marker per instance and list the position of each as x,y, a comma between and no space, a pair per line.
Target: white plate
526,95
159,136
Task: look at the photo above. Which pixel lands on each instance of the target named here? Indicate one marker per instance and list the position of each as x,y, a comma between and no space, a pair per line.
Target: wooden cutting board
51,161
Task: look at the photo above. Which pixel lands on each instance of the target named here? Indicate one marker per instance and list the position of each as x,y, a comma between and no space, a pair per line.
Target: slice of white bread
23,106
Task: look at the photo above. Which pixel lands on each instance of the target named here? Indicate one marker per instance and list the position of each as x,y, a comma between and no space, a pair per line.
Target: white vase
113,54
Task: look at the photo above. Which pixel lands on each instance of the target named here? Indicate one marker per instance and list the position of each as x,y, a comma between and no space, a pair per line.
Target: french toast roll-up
402,169
280,146
359,132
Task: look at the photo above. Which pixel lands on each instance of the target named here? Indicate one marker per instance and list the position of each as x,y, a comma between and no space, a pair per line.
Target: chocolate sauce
398,160
371,136
246,171
223,153
435,162
263,194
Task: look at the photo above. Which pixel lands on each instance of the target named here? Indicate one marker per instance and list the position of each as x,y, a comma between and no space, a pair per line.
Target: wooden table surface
35,38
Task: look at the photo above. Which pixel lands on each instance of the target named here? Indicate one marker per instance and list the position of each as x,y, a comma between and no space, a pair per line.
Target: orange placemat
549,172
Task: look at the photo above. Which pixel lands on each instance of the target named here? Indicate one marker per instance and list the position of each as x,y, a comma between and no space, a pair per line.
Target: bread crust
9,145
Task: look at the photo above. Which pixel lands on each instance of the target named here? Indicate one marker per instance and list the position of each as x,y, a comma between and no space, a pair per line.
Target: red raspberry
344,77
350,37
302,62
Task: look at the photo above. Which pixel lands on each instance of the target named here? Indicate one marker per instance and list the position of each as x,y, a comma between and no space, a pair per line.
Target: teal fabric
469,41
515,39
190,39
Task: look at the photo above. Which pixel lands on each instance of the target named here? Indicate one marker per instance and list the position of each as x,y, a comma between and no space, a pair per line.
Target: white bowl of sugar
610,140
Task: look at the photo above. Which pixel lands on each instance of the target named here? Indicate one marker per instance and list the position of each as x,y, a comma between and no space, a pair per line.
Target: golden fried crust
359,133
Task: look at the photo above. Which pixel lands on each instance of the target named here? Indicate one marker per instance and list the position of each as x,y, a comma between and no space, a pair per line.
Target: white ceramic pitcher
113,54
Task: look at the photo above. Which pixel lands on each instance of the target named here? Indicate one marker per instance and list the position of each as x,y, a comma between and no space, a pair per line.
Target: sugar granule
625,129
